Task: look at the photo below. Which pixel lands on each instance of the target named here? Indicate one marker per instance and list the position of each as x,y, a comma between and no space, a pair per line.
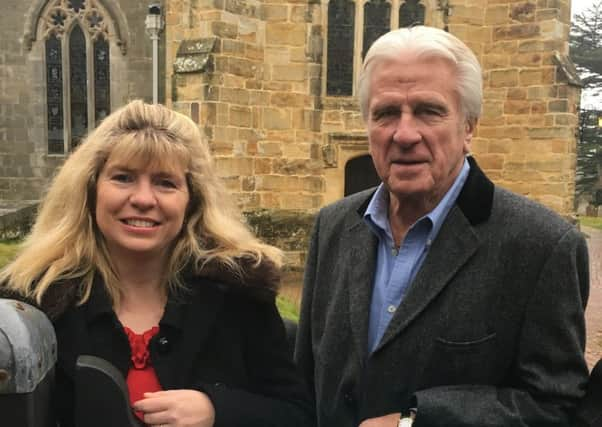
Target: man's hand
390,420
177,408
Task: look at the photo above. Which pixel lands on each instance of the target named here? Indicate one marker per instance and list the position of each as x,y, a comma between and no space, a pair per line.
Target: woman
139,257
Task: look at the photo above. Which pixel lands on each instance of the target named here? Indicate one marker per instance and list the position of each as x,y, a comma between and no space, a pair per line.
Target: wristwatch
407,420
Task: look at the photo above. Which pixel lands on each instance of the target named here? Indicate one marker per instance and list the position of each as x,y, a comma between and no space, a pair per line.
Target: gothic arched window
411,12
77,71
341,26
377,21
347,45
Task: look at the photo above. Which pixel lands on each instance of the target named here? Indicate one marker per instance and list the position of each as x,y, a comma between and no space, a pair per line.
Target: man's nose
143,194
406,132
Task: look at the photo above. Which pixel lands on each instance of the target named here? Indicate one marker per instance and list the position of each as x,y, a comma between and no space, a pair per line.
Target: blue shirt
396,269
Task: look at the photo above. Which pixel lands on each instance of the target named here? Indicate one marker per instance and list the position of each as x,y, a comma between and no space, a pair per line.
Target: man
439,296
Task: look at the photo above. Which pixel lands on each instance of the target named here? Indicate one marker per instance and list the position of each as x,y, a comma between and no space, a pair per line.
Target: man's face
418,135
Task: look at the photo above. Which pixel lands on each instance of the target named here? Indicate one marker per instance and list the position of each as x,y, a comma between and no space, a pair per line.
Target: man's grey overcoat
490,333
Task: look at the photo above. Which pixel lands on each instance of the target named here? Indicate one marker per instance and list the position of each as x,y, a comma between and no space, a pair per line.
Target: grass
591,221
287,309
8,249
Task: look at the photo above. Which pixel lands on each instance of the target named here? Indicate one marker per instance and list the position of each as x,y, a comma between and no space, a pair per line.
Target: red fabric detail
141,377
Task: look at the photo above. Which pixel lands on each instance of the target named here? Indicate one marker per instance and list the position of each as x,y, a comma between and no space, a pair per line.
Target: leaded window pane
76,5
54,95
377,20
341,23
102,103
79,95
411,12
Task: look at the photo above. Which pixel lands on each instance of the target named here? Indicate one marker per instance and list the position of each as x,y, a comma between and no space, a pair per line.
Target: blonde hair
65,242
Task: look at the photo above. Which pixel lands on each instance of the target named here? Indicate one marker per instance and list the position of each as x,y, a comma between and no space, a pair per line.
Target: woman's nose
143,195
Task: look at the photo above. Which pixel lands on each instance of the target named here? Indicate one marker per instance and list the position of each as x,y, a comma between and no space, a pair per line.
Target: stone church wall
282,144
25,165
252,74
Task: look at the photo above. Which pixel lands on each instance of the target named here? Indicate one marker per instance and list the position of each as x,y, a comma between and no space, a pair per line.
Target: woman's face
140,210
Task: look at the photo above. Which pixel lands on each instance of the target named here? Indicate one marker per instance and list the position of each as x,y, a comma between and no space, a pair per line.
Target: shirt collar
377,212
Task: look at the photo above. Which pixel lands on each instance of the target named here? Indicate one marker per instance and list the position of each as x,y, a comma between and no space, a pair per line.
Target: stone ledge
16,218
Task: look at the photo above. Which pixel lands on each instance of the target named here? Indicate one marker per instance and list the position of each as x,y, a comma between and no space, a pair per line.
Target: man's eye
429,111
385,112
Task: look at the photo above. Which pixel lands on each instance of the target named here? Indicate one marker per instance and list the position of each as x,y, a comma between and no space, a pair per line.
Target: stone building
272,85
64,64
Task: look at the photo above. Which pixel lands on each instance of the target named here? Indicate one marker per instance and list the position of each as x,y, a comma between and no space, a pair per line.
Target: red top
142,377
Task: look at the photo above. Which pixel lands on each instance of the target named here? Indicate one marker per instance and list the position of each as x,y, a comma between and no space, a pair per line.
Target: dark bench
28,356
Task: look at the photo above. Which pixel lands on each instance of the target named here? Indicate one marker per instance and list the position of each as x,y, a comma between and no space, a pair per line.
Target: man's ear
469,128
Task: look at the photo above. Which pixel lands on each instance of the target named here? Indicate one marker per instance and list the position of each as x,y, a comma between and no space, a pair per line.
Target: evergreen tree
589,152
586,45
586,53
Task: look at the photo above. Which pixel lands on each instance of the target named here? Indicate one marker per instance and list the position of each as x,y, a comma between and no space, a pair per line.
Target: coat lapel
361,261
452,248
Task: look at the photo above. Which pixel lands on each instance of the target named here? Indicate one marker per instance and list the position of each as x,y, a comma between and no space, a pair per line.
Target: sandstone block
523,12
514,32
294,72
517,107
503,78
263,166
269,149
240,116
550,132
276,118
274,12
285,34
496,14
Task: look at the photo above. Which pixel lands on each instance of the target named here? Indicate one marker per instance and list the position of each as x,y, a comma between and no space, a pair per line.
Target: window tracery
347,45
76,34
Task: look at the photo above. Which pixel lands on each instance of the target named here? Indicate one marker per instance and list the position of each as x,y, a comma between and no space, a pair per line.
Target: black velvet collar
475,199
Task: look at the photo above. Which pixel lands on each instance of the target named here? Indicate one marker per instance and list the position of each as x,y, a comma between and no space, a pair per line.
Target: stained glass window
76,5
411,12
54,95
377,18
79,85
102,104
341,23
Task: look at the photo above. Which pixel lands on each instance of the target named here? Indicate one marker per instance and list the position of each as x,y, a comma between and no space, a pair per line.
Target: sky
588,98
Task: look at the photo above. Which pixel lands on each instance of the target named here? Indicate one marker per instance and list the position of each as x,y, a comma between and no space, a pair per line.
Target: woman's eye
167,183
122,177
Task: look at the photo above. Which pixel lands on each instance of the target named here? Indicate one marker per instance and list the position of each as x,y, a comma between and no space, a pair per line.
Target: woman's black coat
223,336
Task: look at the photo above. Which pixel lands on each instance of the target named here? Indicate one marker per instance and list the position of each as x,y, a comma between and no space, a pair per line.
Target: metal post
155,39
154,25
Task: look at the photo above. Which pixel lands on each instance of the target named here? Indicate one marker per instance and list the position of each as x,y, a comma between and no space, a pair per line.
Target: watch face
405,422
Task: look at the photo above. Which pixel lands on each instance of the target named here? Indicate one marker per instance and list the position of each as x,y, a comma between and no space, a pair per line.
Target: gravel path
593,313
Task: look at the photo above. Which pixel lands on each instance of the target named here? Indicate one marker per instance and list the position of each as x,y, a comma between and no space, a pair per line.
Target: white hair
428,42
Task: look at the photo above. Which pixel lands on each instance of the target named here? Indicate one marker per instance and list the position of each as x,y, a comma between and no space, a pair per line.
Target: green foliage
590,221
8,249
287,309
589,151
586,52
586,44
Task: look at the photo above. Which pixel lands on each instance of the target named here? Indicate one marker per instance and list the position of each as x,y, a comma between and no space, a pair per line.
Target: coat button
163,345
